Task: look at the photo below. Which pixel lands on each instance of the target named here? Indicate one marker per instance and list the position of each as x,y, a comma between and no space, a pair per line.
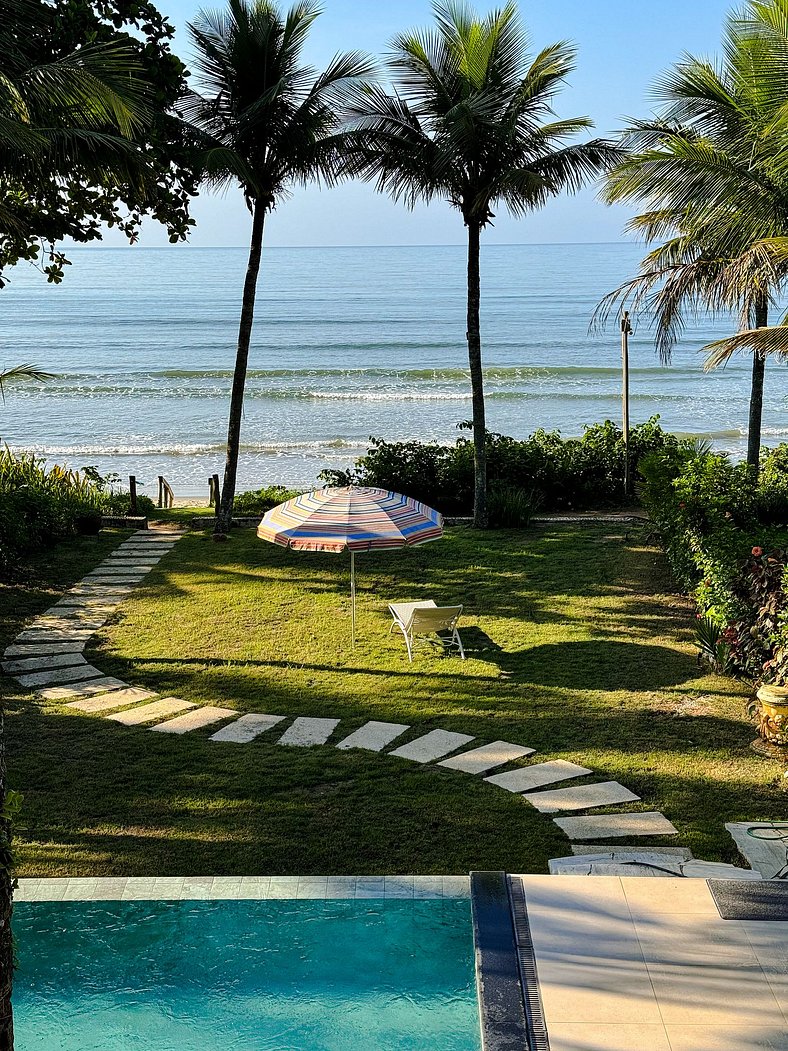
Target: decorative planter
772,715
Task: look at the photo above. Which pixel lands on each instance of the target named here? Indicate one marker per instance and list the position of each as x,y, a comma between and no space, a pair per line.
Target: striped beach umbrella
351,518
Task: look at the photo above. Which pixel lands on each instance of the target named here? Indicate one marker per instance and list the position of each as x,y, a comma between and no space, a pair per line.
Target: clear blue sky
623,46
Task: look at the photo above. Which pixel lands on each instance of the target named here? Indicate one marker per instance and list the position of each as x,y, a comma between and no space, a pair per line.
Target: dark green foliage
510,508
39,506
724,529
257,502
558,473
713,645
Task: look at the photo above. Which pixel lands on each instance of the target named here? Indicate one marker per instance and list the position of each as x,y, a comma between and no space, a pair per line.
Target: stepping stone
107,574
529,777
373,736
34,649
581,797
115,578
66,623
115,565
684,853
148,712
54,660
83,689
194,720
486,757
431,746
306,732
101,590
45,678
109,701
55,634
85,602
246,728
611,826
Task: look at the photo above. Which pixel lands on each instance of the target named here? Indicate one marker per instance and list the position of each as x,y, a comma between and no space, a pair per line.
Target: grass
576,648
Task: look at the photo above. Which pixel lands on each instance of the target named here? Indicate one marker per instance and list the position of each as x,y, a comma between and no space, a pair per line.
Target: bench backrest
434,618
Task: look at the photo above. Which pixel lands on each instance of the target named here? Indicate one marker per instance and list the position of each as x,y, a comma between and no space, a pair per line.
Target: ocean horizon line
290,248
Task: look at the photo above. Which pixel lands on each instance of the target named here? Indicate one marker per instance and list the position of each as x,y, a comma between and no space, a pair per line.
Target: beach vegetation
89,131
576,646
268,122
711,169
258,501
547,471
470,120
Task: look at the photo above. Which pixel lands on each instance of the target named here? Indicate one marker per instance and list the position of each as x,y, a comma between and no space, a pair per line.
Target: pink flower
757,551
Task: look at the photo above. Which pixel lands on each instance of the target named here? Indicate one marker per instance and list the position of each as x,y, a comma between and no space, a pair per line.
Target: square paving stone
148,712
33,649
529,777
45,678
612,826
115,578
83,689
54,660
107,702
194,720
246,728
431,746
306,732
581,797
113,573
486,757
67,623
373,736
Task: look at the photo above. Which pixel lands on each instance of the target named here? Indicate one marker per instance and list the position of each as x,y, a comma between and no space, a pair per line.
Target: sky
623,47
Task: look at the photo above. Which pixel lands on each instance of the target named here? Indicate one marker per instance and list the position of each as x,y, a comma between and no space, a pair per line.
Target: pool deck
632,964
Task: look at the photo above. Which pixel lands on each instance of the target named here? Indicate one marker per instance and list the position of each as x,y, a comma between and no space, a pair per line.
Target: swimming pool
282,975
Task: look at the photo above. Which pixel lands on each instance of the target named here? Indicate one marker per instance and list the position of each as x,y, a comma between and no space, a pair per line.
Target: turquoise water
245,976
348,343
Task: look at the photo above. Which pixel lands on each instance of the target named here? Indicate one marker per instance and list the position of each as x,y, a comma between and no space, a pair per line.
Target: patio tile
373,736
108,701
246,728
581,797
727,1038
431,746
254,887
83,689
59,675
54,660
147,712
398,886
32,649
456,887
487,756
610,826
194,720
305,732
428,886
688,896
109,888
585,1036
723,992
169,888
528,777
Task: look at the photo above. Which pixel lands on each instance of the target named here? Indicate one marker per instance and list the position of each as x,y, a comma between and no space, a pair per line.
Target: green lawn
575,647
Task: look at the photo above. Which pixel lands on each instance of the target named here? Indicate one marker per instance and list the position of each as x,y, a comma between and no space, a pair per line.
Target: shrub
511,508
724,532
262,500
561,473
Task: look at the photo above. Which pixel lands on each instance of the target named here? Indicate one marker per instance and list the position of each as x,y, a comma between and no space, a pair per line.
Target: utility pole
626,331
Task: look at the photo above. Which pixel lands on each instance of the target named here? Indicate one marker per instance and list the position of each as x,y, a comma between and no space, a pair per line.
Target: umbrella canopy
351,519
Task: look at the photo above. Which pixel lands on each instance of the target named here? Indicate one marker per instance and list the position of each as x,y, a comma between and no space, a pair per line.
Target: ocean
348,343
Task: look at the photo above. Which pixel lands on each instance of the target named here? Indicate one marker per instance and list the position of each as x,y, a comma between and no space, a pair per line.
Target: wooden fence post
216,492
132,495
161,492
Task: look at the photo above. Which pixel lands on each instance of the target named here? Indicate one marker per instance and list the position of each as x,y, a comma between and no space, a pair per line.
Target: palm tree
22,372
712,170
470,120
269,122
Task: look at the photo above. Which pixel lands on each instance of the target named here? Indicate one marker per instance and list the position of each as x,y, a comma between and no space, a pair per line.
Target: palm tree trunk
473,336
224,513
6,906
756,392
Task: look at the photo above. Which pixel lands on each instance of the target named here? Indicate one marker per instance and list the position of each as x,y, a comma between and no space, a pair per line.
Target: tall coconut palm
470,121
270,123
712,168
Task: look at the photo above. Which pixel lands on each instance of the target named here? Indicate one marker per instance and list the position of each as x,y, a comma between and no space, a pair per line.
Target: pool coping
229,888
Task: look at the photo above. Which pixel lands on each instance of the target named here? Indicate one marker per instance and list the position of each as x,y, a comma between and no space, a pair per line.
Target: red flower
757,551
682,504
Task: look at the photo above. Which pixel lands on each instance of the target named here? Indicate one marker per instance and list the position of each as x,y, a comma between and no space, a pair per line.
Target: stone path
47,657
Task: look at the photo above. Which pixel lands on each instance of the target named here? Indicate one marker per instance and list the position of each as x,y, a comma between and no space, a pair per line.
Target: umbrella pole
353,593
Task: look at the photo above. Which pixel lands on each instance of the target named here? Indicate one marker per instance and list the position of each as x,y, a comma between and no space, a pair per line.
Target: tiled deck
628,964
148,888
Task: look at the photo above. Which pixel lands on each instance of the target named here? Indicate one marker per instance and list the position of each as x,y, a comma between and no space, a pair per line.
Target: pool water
286,975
